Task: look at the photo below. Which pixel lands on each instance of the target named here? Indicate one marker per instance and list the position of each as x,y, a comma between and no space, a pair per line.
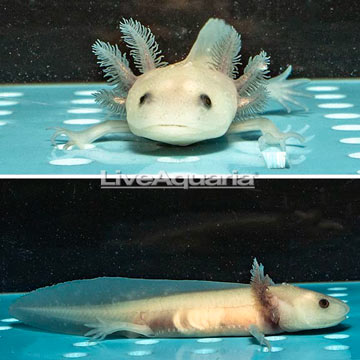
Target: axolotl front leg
87,136
268,129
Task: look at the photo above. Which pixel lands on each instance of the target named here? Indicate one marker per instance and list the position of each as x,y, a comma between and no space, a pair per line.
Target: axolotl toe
196,99
178,308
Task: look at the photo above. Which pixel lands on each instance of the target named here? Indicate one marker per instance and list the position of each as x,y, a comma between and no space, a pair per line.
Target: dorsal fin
218,44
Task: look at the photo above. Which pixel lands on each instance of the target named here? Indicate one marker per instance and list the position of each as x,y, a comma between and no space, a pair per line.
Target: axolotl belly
172,308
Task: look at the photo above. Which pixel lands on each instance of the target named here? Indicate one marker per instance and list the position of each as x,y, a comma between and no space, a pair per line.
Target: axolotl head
302,309
181,104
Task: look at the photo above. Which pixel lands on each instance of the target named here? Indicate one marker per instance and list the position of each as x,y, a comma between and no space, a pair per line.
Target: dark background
50,40
57,230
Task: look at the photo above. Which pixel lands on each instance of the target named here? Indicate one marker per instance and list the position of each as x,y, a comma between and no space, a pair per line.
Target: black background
57,230
50,41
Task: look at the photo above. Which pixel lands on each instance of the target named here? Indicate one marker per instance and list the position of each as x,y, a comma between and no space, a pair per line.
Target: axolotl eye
206,101
144,98
323,303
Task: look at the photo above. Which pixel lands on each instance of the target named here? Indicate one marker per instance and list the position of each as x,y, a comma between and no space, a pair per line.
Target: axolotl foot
75,138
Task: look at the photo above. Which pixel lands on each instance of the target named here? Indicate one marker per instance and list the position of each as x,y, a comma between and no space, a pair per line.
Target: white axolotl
195,99
178,308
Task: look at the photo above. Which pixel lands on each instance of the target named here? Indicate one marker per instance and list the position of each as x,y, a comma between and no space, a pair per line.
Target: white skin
190,101
168,308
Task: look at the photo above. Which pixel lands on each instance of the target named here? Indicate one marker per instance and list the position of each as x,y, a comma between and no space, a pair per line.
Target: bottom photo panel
218,274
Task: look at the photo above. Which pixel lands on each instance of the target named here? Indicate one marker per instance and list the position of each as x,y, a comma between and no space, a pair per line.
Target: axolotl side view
195,99
178,308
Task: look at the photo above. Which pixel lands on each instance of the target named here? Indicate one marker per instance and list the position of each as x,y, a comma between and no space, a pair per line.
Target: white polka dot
85,92
10,320
82,121
5,112
342,116
204,351
330,96
350,141
83,101
209,340
75,355
8,103
146,342
339,294
86,147
85,343
84,111
139,353
2,123
3,328
322,88
187,159
336,347
70,161
273,349
336,336
354,155
337,288
335,105
349,127
276,338
11,94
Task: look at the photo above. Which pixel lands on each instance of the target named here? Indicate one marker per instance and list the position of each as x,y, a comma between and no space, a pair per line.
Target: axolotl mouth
173,134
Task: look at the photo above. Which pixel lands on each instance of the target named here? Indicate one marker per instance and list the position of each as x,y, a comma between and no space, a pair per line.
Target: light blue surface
25,145
341,342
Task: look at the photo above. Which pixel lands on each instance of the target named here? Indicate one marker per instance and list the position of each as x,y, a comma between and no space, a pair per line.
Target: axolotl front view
178,308
195,99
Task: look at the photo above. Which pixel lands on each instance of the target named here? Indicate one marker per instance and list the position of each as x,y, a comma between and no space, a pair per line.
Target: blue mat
331,129
340,342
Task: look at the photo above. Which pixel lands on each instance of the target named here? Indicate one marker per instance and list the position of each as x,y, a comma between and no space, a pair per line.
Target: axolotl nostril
196,99
178,308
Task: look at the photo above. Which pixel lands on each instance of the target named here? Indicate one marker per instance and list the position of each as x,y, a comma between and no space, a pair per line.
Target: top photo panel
178,86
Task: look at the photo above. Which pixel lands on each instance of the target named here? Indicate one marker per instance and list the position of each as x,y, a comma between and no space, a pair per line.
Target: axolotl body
178,308
193,100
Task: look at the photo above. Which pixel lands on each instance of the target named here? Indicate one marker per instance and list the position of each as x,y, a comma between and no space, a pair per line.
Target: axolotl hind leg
101,329
87,136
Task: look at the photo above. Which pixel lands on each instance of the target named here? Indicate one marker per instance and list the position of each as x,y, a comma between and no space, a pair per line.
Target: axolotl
198,98
178,308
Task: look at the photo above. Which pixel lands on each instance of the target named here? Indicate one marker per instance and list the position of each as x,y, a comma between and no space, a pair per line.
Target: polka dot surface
147,342
83,101
350,141
84,111
11,94
336,336
70,161
140,353
85,343
8,103
209,340
336,347
347,127
342,116
205,351
85,92
3,328
5,112
82,121
330,96
335,106
75,355
322,88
